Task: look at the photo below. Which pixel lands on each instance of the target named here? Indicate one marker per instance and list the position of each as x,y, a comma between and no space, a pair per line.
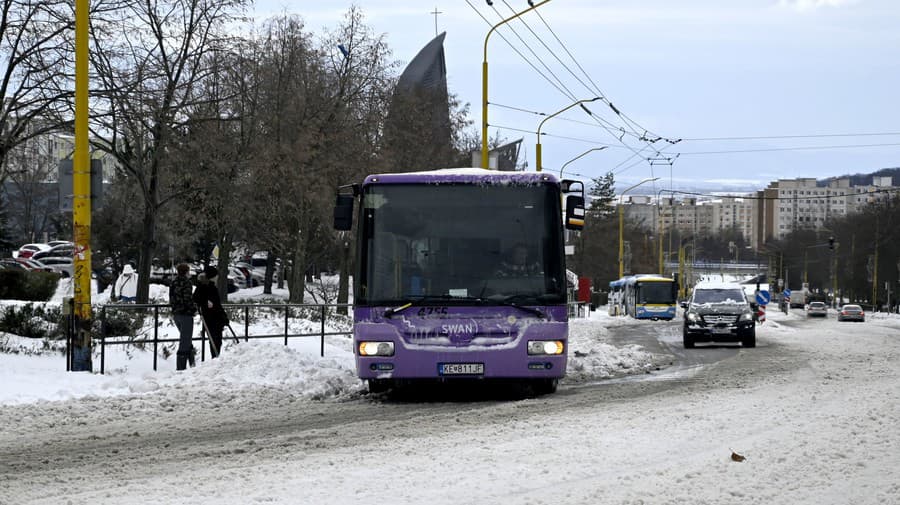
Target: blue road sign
787,292
763,297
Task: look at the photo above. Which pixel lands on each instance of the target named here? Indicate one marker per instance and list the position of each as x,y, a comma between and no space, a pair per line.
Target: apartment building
691,216
802,203
783,206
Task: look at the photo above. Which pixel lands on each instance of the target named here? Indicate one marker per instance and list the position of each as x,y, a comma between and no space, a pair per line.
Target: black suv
719,312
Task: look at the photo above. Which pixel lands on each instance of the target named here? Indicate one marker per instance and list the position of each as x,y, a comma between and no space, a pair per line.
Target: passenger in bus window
518,263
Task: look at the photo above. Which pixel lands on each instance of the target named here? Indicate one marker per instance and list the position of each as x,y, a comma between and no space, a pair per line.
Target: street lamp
622,225
579,156
537,150
659,227
484,85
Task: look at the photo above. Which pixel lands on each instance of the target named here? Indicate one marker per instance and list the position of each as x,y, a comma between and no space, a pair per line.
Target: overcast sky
691,69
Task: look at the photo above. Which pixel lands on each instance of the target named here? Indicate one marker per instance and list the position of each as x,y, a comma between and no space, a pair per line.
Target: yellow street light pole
622,225
484,85
659,230
577,157
81,199
537,149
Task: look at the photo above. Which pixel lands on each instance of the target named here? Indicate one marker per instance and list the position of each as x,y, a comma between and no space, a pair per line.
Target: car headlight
692,317
747,316
376,348
542,347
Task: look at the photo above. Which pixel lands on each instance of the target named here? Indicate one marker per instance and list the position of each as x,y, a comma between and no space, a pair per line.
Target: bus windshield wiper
504,301
415,300
508,302
393,310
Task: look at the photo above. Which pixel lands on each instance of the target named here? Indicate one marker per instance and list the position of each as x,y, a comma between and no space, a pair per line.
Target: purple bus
460,274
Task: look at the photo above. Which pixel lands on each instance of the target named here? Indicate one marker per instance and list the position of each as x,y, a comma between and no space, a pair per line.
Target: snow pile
274,365
297,368
590,358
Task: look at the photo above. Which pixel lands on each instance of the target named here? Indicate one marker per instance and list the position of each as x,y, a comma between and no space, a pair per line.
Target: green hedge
26,285
33,321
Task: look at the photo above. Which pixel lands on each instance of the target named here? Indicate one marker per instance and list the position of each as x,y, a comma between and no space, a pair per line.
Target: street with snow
814,410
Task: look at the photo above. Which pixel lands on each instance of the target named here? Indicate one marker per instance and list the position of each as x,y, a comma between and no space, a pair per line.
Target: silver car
816,309
851,313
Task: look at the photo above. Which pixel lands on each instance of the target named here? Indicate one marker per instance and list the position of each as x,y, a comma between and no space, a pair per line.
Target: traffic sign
763,297
761,314
787,292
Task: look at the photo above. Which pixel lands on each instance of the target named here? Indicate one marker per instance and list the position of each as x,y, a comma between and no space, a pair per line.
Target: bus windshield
655,293
461,244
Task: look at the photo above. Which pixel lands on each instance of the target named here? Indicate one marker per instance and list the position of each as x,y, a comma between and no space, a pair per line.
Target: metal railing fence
295,310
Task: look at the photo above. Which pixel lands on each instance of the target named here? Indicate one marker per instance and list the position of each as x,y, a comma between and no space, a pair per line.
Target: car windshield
718,295
852,308
817,305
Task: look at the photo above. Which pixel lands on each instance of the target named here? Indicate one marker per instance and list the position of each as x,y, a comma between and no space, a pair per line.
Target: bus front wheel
544,386
379,385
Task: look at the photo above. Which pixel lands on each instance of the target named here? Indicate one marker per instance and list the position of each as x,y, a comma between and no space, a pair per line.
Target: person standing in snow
183,310
126,284
206,296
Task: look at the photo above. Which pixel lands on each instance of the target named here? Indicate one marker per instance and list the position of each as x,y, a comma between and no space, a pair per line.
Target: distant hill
743,187
866,179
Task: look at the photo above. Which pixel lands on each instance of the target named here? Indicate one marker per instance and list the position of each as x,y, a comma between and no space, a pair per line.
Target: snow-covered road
815,409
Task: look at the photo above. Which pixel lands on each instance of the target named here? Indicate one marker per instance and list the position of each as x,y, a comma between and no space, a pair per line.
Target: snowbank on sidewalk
40,374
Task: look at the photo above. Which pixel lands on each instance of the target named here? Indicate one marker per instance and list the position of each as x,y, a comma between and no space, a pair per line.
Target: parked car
239,277
12,264
59,250
62,265
27,250
719,312
851,313
816,309
33,264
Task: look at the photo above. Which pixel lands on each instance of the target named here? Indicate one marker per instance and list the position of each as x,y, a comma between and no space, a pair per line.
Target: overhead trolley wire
515,49
624,116
795,148
810,136
568,93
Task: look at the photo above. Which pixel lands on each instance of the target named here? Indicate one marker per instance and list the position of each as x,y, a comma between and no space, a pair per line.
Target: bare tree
322,113
149,58
34,85
31,166
220,141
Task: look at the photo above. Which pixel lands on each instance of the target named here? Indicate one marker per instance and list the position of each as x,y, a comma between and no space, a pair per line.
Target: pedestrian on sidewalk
206,296
183,310
126,284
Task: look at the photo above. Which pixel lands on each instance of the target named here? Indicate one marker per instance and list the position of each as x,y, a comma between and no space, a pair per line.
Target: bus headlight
545,347
376,348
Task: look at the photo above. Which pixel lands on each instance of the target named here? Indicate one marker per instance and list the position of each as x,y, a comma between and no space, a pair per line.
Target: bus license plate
461,368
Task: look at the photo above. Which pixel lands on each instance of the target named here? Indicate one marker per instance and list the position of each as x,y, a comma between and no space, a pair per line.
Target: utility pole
875,271
81,199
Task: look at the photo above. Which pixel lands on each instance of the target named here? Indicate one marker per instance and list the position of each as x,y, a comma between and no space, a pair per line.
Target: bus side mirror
343,212
574,212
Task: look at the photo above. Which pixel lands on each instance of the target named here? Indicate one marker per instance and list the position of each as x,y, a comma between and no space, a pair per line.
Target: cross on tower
435,12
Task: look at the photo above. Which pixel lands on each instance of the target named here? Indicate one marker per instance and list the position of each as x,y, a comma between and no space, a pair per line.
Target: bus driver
517,264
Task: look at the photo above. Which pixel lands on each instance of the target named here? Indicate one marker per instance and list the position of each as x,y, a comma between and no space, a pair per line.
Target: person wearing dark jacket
183,310
206,296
